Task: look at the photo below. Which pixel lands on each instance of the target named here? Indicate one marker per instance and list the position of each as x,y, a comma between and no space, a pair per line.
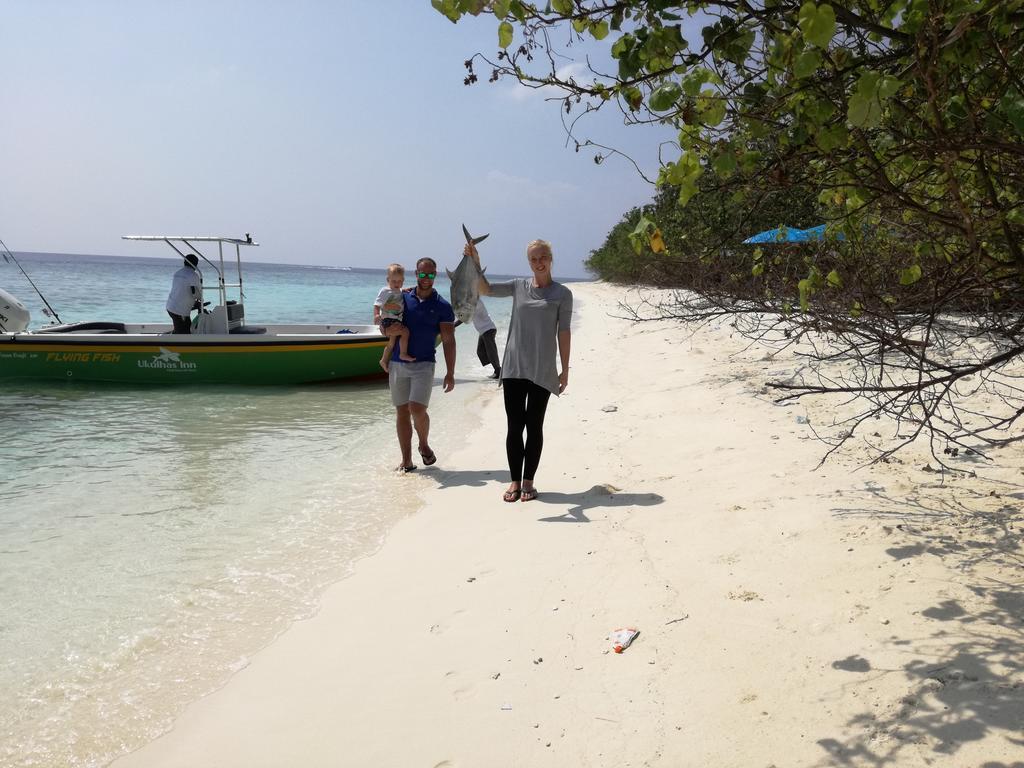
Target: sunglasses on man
426,275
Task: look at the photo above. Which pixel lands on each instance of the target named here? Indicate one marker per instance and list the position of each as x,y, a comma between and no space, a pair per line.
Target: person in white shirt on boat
186,294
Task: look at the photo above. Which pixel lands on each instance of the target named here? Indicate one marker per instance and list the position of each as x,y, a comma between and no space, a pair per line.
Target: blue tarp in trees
781,234
791,235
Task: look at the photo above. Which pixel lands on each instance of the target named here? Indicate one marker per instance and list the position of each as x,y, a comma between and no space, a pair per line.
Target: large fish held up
466,282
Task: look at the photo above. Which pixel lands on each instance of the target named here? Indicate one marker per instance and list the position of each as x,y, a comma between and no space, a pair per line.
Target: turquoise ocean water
152,539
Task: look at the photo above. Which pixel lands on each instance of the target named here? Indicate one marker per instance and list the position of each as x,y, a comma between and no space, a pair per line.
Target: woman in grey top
541,316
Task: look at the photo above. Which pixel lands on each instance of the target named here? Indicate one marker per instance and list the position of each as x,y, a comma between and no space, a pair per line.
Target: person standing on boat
541,316
426,314
186,294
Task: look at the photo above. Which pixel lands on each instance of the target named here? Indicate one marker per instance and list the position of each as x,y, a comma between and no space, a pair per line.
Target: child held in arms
387,313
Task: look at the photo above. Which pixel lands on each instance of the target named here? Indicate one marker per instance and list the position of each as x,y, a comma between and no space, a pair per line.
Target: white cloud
519,93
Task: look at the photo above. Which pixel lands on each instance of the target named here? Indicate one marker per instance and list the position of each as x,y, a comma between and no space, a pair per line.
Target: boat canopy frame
188,240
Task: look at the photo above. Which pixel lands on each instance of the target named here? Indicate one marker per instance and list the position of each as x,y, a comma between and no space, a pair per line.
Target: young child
387,313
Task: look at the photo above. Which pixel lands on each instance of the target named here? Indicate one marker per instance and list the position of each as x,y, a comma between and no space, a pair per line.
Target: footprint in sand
746,597
480,575
461,689
437,629
858,610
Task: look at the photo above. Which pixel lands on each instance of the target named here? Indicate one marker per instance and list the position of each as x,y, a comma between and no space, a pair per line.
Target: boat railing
229,314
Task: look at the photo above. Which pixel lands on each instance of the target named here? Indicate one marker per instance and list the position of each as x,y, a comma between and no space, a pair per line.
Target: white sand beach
789,615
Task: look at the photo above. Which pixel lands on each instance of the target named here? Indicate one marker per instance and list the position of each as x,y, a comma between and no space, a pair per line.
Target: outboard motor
14,316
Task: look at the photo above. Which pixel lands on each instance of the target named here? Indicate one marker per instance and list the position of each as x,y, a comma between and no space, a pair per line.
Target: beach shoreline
789,614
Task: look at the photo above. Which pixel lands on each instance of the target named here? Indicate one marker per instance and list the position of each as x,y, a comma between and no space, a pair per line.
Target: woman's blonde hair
544,245
396,269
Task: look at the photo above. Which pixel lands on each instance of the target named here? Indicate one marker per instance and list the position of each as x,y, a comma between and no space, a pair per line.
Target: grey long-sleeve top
538,315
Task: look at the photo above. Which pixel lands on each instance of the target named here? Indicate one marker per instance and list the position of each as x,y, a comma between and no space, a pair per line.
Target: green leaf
696,79
818,110
1012,105
684,174
834,279
689,137
750,161
725,164
579,25
814,276
505,33
686,192
818,23
634,98
807,63
448,8
832,138
910,275
856,197
599,30
665,96
865,110
804,286
956,108
500,8
643,226
563,7
622,46
625,49
711,110
757,270
640,236
888,86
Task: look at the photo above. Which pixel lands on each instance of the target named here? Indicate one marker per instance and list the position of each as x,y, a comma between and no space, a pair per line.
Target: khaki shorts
410,382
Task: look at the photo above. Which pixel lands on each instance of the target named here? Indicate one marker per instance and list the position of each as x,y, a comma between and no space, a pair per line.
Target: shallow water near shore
152,539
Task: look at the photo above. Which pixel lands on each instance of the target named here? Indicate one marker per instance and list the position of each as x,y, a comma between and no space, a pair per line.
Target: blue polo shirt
423,319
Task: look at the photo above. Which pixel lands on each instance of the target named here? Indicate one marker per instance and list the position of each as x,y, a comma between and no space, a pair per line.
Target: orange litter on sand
622,638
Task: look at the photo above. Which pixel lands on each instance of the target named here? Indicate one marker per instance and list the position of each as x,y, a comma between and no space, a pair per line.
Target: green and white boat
222,348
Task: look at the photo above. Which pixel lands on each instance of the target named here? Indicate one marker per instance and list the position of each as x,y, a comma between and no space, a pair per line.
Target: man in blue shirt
426,315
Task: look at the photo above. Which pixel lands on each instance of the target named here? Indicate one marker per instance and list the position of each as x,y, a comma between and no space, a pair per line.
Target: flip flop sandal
428,458
511,496
405,469
529,495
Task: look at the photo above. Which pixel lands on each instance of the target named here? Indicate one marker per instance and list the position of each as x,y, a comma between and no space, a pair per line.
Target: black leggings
525,404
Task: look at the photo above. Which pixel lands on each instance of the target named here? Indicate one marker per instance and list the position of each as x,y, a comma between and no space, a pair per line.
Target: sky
337,133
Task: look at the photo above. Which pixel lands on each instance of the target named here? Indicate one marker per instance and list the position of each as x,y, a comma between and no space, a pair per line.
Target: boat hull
185,360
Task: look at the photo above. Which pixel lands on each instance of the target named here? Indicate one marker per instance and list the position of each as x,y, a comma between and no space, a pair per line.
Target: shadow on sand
597,496
473,478
964,678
